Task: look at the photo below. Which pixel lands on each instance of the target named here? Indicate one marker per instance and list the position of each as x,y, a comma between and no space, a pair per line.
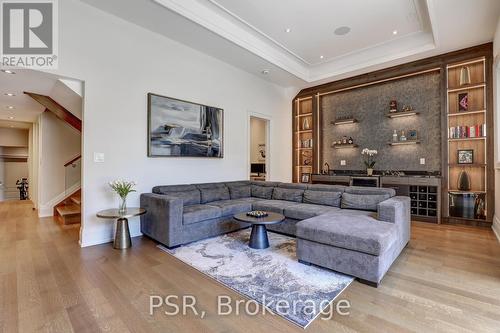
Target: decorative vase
464,181
369,171
122,208
305,124
464,76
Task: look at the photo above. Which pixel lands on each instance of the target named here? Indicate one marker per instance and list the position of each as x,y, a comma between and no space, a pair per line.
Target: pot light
321,57
265,71
10,94
394,32
340,31
288,30
10,107
6,71
11,117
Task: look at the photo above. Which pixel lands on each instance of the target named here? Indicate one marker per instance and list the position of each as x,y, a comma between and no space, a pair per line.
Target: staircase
69,210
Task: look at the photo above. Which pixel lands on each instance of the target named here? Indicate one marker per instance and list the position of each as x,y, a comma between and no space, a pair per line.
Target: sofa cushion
165,189
238,183
238,192
357,231
275,206
299,186
264,183
263,192
322,198
188,197
363,201
199,213
370,190
288,194
305,211
326,188
214,194
231,207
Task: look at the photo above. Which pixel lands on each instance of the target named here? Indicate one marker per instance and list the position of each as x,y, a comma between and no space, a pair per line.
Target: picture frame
465,156
463,101
305,177
412,135
179,128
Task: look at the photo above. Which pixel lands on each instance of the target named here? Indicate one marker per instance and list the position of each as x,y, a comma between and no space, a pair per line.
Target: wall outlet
98,157
422,161
342,162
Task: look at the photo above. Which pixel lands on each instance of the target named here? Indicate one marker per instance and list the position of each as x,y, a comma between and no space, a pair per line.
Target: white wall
59,143
496,118
13,137
257,137
120,63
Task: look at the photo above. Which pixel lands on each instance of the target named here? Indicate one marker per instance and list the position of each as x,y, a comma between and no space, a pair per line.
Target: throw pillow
363,201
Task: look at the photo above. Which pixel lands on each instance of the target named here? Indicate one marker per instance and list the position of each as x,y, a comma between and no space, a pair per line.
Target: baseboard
47,209
496,227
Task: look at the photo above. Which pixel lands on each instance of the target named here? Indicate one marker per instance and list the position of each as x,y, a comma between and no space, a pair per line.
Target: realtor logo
29,33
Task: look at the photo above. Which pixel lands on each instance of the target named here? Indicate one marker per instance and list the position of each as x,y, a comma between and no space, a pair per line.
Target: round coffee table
122,234
258,237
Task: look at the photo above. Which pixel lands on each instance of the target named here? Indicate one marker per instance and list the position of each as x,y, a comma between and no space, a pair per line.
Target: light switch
98,157
422,160
342,162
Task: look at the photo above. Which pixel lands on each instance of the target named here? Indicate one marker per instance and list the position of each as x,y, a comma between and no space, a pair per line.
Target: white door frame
268,120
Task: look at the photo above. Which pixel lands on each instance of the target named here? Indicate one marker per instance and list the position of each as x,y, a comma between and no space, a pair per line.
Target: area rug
272,277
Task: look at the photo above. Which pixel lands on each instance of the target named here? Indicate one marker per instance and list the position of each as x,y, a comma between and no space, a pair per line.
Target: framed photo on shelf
305,177
412,135
465,156
463,102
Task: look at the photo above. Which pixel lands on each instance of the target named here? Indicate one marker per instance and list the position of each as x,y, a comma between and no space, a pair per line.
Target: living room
365,203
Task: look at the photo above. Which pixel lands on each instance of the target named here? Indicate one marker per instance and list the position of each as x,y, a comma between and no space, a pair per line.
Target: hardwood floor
446,280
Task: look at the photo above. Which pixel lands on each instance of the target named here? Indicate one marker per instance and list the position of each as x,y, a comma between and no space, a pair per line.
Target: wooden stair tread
77,199
68,210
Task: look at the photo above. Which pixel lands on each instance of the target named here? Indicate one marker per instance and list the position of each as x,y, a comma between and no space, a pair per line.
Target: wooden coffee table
258,237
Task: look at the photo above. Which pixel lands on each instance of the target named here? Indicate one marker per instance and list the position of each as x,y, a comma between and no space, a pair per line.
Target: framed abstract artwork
465,156
178,128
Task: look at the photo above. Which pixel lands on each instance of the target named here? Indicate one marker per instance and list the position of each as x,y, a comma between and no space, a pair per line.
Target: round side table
122,234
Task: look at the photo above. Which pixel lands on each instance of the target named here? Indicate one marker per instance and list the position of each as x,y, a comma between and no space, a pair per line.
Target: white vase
369,171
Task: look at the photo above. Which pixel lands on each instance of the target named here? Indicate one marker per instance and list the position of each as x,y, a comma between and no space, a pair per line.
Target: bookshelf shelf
304,137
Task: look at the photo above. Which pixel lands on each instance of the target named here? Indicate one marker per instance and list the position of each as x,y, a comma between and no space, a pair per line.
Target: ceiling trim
219,20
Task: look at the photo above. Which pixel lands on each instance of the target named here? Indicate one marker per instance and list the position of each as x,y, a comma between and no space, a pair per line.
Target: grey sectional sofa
359,231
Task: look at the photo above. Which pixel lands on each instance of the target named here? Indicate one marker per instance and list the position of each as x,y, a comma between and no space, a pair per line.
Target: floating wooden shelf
401,143
463,113
468,139
344,121
344,146
303,148
468,87
304,166
465,192
473,165
401,114
304,114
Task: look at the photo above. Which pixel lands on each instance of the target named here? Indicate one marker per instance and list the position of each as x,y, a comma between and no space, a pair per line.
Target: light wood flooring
446,280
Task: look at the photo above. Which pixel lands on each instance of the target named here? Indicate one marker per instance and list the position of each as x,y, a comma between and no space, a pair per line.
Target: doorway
259,148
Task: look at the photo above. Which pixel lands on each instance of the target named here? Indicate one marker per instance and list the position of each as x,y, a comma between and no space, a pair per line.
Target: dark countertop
415,174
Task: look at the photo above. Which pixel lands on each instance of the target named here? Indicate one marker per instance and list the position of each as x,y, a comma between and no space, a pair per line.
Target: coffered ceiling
302,43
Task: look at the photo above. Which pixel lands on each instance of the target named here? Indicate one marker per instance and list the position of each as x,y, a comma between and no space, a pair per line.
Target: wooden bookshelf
304,137
476,113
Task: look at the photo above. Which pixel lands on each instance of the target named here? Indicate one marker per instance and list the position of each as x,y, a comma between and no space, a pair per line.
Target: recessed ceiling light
321,57
265,71
11,117
340,31
12,126
288,30
10,94
10,107
394,32
6,71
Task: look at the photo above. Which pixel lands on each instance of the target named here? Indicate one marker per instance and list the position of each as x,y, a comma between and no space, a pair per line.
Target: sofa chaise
358,231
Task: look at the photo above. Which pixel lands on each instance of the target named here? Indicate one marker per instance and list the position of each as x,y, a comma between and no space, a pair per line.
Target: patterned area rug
272,277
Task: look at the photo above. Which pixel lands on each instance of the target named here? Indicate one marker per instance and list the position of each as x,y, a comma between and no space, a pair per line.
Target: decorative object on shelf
326,169
369,159
412,135
257,213
463,101
344,140
307,157
339,141
183,129
463,181
465,156
305,177
407,108
464,76
123,188
463,132
307,143
262,152
393,106
402,137
305,124
350,141
395,137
